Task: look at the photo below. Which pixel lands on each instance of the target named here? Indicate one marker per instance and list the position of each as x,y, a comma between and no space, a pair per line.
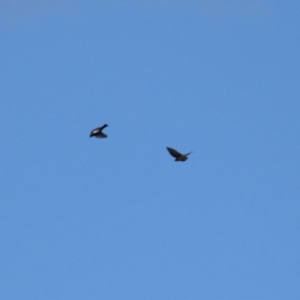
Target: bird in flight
97,132
178,156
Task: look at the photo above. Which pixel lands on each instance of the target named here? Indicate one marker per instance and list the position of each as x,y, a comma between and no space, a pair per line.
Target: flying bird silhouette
178,156
97,132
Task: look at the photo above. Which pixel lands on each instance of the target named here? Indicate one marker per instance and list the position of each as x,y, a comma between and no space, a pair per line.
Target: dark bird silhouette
178,156
97,132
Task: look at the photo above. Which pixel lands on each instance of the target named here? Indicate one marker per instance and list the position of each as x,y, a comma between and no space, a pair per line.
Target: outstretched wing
102,127
174,153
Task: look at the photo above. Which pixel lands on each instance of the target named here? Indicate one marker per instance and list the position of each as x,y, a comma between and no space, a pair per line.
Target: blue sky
117,218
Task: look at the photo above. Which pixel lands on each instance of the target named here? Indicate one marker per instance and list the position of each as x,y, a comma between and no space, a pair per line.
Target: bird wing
102,127
174,153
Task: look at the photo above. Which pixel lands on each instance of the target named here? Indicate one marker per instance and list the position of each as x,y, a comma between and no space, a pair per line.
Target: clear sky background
117,218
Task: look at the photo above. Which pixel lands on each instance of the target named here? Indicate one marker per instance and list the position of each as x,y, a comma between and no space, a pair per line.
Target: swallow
178,156
97,132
